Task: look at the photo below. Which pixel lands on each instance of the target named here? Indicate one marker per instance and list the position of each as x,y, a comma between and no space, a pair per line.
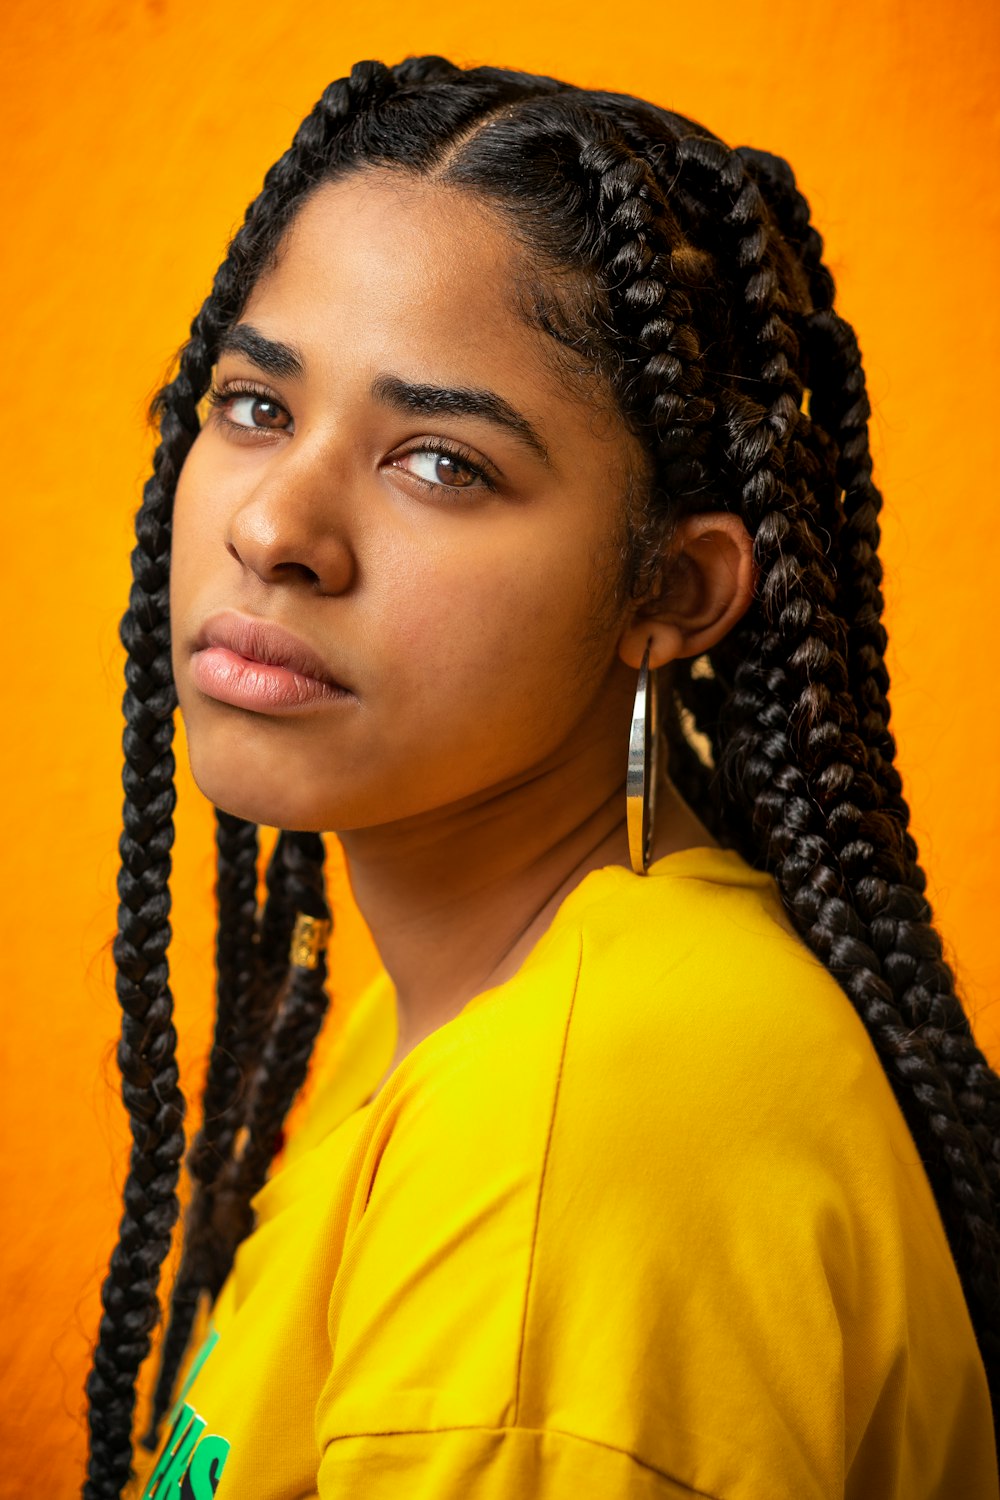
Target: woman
660,1159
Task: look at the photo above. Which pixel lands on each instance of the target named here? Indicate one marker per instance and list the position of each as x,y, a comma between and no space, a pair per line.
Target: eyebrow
269,355
286,362
458,401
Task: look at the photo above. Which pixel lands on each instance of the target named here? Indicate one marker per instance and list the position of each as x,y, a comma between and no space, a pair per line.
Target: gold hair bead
309,938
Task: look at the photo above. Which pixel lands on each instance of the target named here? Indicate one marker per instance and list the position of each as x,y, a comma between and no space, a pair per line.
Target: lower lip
231,678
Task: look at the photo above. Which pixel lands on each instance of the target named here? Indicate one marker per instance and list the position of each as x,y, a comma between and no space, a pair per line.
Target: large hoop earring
643,767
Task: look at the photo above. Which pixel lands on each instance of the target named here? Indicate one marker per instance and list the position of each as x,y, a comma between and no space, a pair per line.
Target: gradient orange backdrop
135,134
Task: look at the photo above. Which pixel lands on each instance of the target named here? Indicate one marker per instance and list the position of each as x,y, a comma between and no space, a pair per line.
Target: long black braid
818,716
698,294
147,1050
236,965
862,909
840,404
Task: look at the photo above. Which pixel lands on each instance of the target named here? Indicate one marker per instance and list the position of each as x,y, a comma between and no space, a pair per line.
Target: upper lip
263,641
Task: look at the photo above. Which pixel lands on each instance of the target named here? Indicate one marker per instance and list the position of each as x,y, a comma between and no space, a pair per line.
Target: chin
258,800
269,812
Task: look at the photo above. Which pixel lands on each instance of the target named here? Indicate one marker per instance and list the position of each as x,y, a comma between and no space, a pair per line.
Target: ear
704,585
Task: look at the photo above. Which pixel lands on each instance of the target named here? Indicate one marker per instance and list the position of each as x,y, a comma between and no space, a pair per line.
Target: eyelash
220,396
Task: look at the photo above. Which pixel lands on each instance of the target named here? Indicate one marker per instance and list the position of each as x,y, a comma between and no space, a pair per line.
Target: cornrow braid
840,402
147,1049
839,405
651,273
902,930
237,849
844,874
652,140
654,278
289,1044
269,1079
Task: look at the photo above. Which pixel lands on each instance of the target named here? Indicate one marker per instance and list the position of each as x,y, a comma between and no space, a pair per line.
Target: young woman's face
398,476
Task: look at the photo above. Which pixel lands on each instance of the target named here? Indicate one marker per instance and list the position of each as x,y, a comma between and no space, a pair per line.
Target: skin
477,772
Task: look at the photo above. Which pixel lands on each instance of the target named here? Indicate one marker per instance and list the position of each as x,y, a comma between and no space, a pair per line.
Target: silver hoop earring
643,767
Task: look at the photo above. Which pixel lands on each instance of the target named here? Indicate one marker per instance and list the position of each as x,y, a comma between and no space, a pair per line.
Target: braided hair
688,277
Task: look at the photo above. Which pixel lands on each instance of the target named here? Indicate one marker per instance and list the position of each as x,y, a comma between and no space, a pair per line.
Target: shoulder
700,962
731,1191
682,998
722,1111
710,1047
697,967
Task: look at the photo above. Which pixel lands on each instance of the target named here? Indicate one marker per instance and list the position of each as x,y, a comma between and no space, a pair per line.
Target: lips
264,641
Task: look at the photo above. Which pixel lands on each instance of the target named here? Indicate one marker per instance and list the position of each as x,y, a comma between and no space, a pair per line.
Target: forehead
399,257
422,277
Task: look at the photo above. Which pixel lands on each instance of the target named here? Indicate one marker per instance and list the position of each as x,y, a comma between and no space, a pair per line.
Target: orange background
134,136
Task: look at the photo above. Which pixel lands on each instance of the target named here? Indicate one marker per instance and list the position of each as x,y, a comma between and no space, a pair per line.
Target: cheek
191,522
486,640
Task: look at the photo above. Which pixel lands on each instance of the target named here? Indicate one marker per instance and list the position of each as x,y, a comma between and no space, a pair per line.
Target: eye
441,466
249,408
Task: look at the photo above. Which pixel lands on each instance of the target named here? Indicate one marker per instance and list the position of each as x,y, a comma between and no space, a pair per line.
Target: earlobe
705,586
665,641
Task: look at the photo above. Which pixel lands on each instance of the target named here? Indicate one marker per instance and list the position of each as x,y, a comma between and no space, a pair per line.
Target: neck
456,898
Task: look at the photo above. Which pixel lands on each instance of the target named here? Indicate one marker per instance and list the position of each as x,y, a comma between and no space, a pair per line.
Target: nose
290,526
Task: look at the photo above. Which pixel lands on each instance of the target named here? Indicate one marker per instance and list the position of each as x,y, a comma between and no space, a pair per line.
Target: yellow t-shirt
643,1221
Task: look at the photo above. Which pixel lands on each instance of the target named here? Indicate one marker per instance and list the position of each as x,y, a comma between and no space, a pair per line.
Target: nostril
296,547
273,570
294,567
